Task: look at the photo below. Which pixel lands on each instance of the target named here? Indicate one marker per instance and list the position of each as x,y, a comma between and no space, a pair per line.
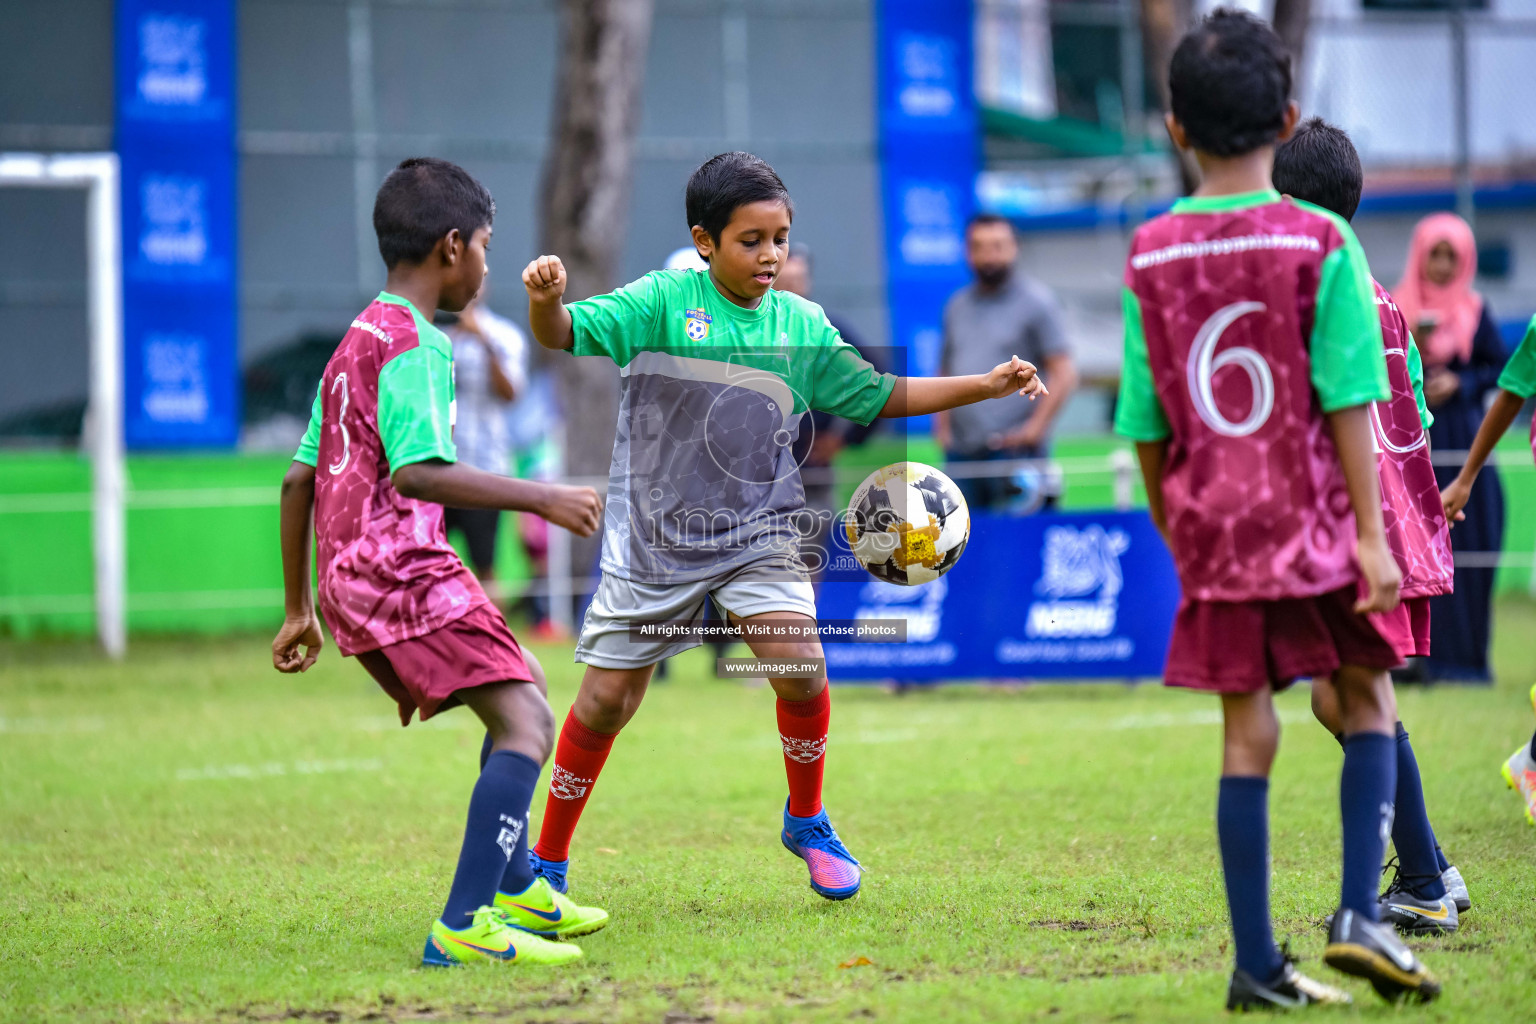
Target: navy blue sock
519,875
1445,865
1411,833
1533,745
1366,787
497,828
1242,829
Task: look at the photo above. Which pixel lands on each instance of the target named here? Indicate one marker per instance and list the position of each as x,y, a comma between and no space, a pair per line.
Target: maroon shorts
1406,627
1244,646
425,673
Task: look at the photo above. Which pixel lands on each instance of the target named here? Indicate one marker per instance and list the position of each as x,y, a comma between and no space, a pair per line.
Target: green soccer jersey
1519,376
703,479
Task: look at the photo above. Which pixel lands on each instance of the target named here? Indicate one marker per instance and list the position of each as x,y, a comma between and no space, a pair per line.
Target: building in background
1068,139
324,113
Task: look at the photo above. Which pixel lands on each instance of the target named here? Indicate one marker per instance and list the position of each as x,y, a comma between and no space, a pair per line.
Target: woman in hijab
1463,355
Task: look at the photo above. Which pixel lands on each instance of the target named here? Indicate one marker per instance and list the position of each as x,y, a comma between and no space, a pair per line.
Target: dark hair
1319,165
800,251
723,183
421,201
1230,83
982,220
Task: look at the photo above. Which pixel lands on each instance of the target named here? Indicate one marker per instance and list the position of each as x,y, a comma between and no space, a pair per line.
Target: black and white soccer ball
907,523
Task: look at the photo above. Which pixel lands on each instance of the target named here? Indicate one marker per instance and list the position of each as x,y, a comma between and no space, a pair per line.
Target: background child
704,495
372,473
1252,354
1319,165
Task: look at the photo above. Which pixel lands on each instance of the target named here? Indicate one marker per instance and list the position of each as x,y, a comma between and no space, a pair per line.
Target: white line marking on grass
275,769
42,724
1210,716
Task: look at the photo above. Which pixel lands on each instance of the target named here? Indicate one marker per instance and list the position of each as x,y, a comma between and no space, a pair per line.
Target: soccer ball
907,524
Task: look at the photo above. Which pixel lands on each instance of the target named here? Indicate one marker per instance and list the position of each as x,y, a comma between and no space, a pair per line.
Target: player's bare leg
1325,707
804,709
607,700
609,697
1358,942
1250,734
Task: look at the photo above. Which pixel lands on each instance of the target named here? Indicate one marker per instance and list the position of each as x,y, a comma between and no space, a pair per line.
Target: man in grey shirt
1001,313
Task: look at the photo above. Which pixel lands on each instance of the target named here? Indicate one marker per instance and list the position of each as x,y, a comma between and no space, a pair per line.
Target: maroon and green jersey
1519,376
1417,530
1247,318
387,572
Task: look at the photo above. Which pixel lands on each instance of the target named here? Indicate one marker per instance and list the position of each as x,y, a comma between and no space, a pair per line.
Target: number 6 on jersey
1204,362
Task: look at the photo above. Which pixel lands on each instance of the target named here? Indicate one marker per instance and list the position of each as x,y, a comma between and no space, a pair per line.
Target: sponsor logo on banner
175,380
922,608
1079,589
173,52
929,75
175,231
931,231
1065,595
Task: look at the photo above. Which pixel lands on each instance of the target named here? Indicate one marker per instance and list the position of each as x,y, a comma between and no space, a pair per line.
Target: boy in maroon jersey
372,474
1319,165
1252,354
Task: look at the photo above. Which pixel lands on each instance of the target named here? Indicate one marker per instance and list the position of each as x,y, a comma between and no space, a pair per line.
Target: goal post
97,174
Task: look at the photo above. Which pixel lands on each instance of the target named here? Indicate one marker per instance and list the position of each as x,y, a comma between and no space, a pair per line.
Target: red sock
803,731
579,757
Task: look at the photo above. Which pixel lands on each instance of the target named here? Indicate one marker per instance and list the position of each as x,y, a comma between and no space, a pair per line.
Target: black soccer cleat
1372,950
1290,990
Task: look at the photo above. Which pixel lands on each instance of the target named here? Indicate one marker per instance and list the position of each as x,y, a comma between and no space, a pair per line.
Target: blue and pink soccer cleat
834,872
552,871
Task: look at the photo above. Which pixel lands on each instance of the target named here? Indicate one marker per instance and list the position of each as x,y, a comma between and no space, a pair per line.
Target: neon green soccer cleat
488,939
1520,772
554,915
1520,776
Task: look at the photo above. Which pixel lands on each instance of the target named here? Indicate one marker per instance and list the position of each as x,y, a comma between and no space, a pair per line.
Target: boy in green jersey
1516,384
705,499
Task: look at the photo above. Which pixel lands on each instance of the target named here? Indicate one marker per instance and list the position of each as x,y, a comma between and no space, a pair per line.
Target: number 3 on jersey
340,384
1204,363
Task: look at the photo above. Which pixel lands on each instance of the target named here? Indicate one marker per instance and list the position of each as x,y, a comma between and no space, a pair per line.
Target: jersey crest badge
696,324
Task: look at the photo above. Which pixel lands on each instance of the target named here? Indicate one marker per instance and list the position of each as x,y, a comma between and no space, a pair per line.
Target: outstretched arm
578,509
919,396
1357,454
1506,405
548,318
301,627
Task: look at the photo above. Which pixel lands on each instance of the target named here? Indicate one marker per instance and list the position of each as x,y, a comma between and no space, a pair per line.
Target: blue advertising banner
928,160
175,78
1056,596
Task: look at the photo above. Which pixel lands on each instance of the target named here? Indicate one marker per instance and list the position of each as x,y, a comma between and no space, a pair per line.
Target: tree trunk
585,193
1163,24
1292,20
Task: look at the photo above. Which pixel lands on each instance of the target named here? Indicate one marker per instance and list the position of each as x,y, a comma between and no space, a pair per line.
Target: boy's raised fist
545,279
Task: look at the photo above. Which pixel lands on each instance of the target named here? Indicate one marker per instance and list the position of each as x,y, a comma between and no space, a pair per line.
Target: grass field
191,837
